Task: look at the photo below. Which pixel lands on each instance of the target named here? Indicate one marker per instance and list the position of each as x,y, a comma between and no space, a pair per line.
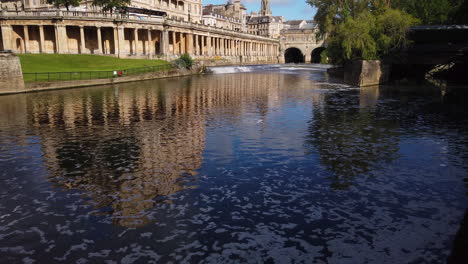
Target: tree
428,11
361,29
459,12
65,3
110,5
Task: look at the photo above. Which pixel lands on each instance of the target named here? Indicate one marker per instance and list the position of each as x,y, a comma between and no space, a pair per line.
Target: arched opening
316,56
293,55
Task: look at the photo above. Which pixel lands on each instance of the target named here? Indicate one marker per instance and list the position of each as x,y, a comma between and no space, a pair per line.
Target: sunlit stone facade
129,35
264,23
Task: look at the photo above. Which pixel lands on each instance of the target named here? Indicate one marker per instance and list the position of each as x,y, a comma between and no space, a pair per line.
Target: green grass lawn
65,67
31,63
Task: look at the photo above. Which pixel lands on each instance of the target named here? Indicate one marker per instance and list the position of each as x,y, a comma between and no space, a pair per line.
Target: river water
271,165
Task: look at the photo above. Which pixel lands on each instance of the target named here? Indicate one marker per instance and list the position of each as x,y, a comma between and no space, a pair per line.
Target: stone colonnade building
187,10
127,36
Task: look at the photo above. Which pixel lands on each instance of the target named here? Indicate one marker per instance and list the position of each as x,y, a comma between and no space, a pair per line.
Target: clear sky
290,9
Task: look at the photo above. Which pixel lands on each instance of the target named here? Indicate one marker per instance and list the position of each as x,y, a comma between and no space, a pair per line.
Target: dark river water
274,166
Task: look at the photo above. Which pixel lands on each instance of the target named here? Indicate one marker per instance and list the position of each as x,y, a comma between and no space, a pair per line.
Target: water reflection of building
127,146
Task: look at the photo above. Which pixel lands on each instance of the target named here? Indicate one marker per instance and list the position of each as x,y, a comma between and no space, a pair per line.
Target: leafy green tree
110,5
65,3
361,29
428,11
353,39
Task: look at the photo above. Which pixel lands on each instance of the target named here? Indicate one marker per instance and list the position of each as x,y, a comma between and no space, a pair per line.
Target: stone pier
11,76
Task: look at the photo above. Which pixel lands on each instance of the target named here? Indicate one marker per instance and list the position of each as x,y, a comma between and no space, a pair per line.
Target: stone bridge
129,36
301,46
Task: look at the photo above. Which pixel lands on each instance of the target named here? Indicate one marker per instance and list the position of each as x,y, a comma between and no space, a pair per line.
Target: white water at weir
268,67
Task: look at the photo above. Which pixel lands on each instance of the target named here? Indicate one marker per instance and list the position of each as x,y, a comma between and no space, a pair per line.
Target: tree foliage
65,3
459,13
110,5
428,11
361,29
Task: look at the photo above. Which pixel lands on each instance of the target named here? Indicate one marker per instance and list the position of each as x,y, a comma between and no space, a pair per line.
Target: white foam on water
268,67
240,69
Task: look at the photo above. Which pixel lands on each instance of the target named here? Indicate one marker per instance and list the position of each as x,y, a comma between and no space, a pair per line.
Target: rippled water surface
278,166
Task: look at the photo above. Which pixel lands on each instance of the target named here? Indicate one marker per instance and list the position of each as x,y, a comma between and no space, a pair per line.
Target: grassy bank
31,63
61,67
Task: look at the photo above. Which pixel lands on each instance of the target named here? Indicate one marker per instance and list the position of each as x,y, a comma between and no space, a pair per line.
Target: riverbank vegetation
363,29
31,63
377,29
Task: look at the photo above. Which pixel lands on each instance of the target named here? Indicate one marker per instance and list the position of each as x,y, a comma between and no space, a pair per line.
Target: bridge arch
293,55
316,55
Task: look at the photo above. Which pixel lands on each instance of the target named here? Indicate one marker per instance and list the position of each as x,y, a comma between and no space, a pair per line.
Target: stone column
41,39
197,45
121,50
164,42
221,44
190,44
135,41
82,41
174,43
202,45
183,40
233,47
61,39
149,46
99,40
209,46
6,34
26,39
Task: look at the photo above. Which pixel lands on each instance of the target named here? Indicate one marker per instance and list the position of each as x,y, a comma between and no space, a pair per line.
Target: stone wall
11,76
366,73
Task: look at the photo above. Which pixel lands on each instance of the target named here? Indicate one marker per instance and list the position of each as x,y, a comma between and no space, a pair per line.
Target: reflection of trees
350,141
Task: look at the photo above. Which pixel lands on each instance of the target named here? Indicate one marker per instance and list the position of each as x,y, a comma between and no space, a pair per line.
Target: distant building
231,15
264,23
187,10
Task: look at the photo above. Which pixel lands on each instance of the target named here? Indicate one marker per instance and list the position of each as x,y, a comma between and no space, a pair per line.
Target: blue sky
290,9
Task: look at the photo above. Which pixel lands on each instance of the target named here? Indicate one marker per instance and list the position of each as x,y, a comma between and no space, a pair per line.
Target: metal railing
90,75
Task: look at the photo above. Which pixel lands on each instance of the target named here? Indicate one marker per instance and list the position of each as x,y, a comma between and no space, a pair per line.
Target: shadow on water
350,137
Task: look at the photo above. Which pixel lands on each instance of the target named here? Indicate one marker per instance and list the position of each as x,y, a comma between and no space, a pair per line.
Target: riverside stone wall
366,73
11,76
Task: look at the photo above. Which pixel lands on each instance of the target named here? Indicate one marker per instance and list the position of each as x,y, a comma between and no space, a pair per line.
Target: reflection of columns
82,40
135,41
41,39
26,39
99,40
